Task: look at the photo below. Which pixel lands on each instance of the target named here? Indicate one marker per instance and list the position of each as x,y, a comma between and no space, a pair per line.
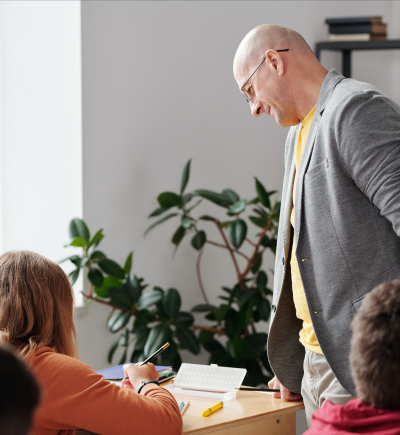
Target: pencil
185,407
157,352
270,390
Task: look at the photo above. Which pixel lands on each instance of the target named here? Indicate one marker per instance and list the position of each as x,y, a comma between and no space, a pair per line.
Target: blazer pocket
316,170
357,303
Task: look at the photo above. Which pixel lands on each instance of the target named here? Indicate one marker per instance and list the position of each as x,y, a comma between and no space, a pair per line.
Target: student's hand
285,394
137,375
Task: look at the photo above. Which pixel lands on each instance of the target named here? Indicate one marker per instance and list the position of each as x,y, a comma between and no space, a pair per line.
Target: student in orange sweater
37,319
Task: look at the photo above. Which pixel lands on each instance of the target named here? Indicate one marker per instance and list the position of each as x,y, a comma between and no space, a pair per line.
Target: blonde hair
36,304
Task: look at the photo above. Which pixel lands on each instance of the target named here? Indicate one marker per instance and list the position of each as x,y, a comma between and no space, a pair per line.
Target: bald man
340,216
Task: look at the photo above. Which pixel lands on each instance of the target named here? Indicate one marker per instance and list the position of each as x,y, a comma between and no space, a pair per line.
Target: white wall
158,89
41,127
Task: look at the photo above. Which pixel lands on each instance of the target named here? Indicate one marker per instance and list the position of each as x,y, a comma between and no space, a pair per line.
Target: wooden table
251,413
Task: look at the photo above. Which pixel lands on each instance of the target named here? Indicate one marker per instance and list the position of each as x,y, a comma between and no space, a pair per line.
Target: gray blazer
347,223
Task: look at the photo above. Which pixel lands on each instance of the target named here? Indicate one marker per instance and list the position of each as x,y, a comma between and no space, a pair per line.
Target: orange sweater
75,396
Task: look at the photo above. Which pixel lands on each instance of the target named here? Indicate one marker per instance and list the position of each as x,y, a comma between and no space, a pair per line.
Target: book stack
356,29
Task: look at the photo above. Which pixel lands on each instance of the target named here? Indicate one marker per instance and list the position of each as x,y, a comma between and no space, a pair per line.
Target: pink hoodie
354,417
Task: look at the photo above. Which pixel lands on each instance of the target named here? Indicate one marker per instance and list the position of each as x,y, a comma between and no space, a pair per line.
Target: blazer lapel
329,84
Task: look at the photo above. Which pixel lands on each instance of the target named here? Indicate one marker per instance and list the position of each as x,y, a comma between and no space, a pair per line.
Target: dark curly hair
375,347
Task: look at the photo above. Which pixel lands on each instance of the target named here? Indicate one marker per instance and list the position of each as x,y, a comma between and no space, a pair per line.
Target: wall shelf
346,47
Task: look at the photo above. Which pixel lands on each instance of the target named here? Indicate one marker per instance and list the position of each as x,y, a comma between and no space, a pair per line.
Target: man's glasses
248,98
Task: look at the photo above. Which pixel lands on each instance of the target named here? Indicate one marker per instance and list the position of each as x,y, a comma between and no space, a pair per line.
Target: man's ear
275,62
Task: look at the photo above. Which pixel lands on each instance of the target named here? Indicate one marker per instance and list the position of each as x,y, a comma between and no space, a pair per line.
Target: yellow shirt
307,335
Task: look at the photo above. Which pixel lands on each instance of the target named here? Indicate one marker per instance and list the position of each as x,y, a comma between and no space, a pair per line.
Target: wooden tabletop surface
247,406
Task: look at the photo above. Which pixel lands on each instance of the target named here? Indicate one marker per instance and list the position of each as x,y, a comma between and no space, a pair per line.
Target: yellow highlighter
214,408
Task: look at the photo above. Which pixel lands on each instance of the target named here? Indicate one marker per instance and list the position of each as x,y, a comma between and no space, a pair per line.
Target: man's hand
285,394
138,374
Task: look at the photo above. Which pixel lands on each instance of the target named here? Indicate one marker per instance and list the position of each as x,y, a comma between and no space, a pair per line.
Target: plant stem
207,328
203,292
231,252
250,265
101,301
220,245
250,241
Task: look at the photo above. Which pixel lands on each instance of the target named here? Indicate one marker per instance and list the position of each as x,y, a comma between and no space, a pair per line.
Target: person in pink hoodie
375,366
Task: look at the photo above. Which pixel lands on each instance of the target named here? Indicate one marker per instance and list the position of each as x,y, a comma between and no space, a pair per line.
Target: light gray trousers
320,384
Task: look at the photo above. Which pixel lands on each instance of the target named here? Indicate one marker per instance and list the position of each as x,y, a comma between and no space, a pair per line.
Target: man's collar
328,85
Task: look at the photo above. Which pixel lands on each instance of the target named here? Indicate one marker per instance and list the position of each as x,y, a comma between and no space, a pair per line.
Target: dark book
377,29
354,20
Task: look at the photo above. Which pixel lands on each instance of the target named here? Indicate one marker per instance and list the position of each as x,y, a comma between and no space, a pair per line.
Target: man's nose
256,108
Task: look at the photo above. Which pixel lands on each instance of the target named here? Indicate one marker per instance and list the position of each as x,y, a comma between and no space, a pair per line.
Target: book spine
353,20
340,29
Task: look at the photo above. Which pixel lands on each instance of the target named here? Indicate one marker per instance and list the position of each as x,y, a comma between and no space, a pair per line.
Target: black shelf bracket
346,47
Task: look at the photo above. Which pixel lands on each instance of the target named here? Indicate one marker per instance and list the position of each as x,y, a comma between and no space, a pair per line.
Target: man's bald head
261,38
287,83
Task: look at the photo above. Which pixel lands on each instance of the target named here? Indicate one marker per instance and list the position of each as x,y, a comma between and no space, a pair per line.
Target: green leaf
237,231
96,277
122,360
165,218
262,280
158,211
187,223
213,346
118,320
186,198
110,267
124,339
159,335
256,344
187,339
205,336
238,207
236,347
96,256
97,238
77,261
141,334
184,318
206,217
185,176
178,236
253,201
262,194
232,195
171,302
169,199
264,309
256,262
203,308
217,198
128,264
72,258
245,295
194,205
262,223
108,282
198,240
134,287
246,314
120,297
78,242
224,224
221,312
112,350
73,276
149,298
78,228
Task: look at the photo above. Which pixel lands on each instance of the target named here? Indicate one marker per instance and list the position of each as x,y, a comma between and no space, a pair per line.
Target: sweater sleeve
75,396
